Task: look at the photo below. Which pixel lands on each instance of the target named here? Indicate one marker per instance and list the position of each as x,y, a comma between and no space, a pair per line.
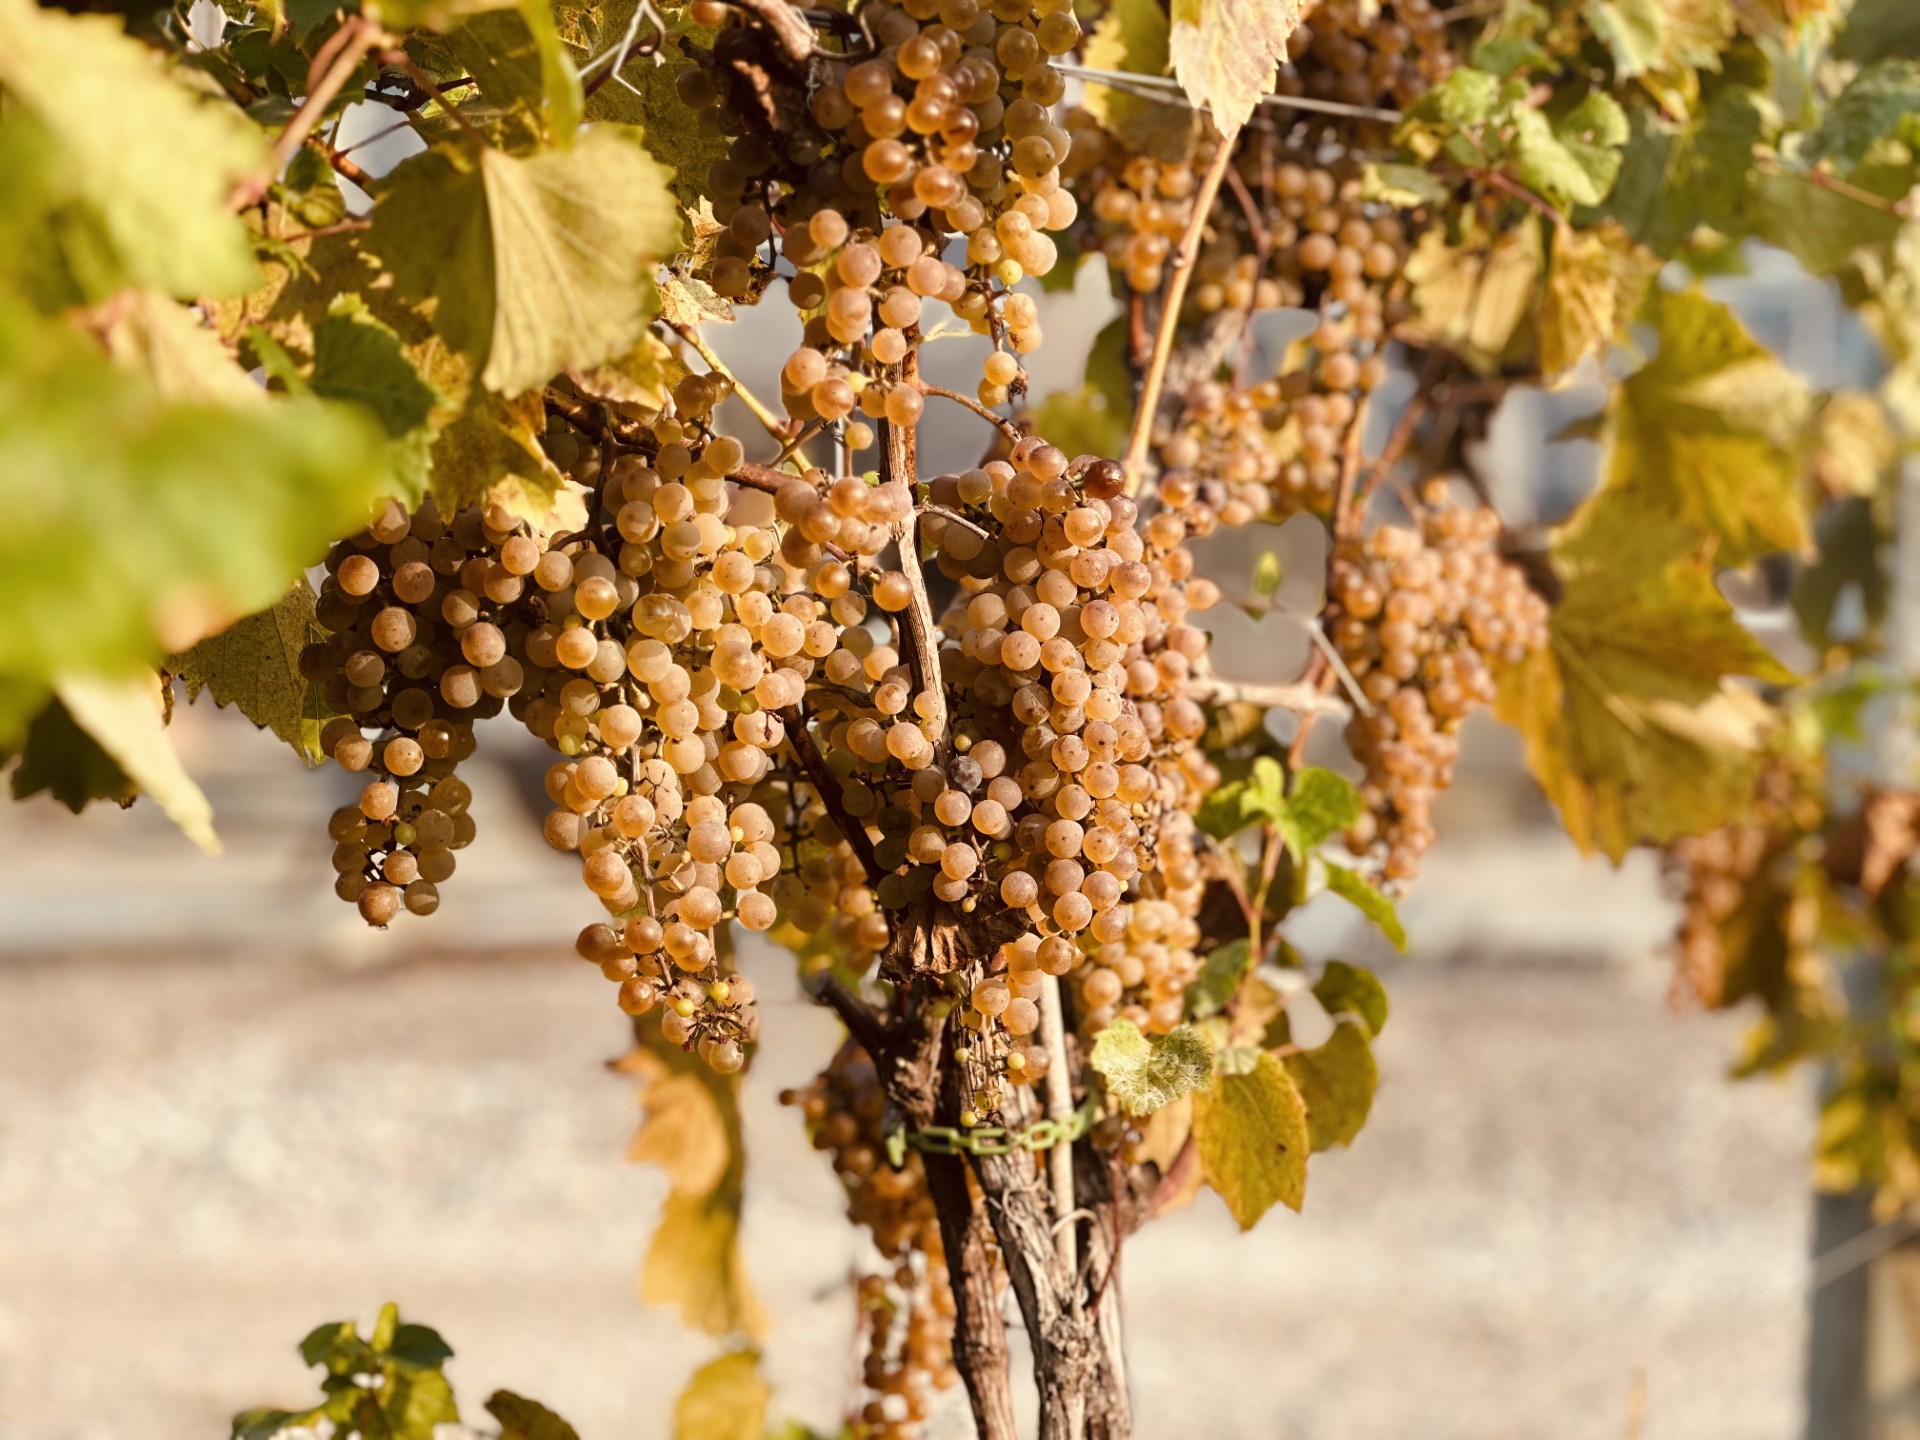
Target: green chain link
987,1139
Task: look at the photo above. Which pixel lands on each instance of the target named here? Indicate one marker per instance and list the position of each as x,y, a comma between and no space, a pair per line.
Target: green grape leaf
1633,32
1849,561
1226,53
1144,1072
1879,27
524,1419
1220,977
644,97
1355,889
1402,186
60,759
1321,804
254,664
1345,989
1267,574
1250,1130
125,718
1876,102
1505,55
1823,228
538,264
1133,36
1566,178
359,358
725,1400
1336,1082
1629,723
148,165
1711,430
1675,178
432,14
562,95
140,524
1596,282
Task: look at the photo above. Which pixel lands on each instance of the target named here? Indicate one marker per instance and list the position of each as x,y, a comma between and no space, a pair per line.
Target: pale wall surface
228,1112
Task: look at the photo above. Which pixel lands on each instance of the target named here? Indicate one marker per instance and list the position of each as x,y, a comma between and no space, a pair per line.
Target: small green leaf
1221,974
1402,186
1352,887
524,1419
357,358
1147,1072
1267,575
1336,1082
63,760
1875,103
1250,1130
1344,989
1322,805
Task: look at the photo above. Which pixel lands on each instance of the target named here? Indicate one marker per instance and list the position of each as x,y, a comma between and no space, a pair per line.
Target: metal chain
987,1139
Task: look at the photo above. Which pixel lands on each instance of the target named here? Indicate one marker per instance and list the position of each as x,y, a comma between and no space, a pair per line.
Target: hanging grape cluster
1428,614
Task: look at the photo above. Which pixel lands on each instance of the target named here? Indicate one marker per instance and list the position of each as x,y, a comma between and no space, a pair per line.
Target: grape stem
1300,696
774,425
919,637
1005,426
333,65
1143,415
827,787
787,24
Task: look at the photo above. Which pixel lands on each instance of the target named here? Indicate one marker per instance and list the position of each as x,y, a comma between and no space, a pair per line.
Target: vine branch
1142,434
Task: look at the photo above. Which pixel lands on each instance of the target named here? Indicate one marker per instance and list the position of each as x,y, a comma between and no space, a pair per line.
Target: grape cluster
1712,876
907,1314
945,131
1379,53
1427,615
399,664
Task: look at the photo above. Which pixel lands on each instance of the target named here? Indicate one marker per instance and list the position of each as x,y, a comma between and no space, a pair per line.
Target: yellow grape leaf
1596,280
1250,1128
687,301
185,357
1473,296
1853,444
125,718
644,377
1227,53
1630,724
492,449
1711,430
725,1400
691,1127
1132,36
538,264
255,664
